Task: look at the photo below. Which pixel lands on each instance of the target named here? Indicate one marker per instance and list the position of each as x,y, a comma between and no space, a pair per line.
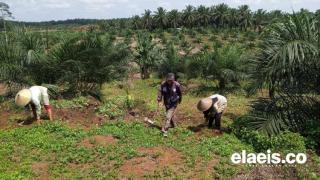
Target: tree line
217,16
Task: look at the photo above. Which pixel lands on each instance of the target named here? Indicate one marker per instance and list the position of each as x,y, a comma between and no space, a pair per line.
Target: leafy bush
78,102
116,107
212,38
284,142
172,62
198,39
184,44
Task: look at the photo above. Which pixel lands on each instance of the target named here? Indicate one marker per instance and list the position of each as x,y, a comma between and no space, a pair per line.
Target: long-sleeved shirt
38,93
171,95
219,102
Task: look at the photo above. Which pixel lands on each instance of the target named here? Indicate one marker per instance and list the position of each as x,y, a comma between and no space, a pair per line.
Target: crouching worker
170,92
32,98
213,107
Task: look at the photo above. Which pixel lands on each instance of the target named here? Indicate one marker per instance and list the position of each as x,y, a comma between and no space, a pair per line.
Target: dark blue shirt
171,94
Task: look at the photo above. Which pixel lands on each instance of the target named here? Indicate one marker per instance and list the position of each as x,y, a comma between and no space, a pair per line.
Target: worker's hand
158,108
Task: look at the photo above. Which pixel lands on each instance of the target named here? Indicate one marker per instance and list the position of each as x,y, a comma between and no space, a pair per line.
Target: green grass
62,148
59,146
78,102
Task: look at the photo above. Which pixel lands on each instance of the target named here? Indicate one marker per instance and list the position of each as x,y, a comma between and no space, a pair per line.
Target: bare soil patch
41,169
204,170
84,117
3,89
98,140
4,116
152,159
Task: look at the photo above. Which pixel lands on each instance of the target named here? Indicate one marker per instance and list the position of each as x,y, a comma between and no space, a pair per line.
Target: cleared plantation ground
79,147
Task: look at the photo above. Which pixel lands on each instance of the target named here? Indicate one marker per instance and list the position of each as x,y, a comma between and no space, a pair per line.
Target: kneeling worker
32,98
213,107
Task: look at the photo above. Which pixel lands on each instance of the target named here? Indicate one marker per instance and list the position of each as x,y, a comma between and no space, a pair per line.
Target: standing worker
213,107
32,98
170,92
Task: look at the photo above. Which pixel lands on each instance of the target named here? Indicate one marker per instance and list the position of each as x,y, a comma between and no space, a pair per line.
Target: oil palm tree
160,18
147,19
232,18
174,18
220,14
227,66
203,15
136,22
259,19
146,55
288,65
4,14
188,16
244,16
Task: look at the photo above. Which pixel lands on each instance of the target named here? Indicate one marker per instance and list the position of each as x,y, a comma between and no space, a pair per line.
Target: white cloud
56,4
40,10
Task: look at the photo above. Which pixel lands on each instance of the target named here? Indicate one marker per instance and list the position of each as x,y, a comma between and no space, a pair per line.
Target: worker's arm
179,93
38,110
46,103
159,97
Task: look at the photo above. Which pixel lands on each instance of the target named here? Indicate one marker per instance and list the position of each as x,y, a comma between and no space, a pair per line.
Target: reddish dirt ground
85,117
2,89
41,170
203,170
99,140
4,116
152,159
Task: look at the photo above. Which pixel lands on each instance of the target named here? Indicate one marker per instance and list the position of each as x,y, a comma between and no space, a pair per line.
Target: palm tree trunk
145,73
5,27
271,92
222,84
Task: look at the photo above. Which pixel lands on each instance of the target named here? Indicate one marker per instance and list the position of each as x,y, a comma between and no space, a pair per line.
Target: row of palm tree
82,62
220,16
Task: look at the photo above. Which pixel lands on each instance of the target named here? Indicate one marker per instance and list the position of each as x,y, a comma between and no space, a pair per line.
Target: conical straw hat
204,104
23,97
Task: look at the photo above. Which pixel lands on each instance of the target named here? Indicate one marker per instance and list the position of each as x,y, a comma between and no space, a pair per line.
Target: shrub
206,47
212,38
116,107
181,36
184,44
73,103
285,142
192,33
198,39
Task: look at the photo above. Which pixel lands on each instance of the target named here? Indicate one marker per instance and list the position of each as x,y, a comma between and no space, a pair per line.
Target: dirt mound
98,140
138,167
3,89
40,169
196,50
85,116
203,170
152,159
4,116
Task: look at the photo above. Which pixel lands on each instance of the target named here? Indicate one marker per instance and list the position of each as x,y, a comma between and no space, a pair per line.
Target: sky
45,10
